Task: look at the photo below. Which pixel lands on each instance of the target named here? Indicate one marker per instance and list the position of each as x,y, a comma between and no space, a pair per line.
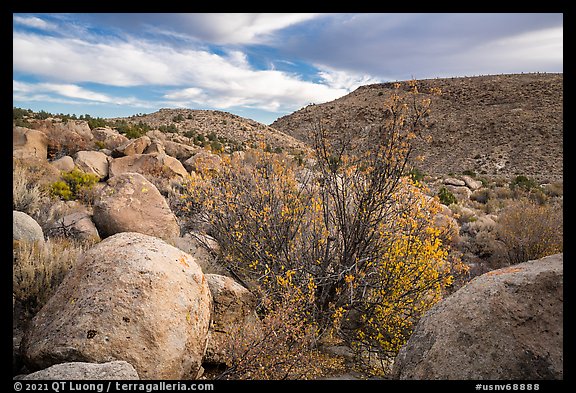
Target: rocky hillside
223,126
504,125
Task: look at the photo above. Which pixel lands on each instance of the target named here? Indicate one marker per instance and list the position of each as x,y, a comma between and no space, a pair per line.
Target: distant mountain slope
225,125
502,125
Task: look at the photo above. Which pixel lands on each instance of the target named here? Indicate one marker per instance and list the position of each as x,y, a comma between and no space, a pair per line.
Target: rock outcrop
108,138
77,225
131,297
130,203
116,370
71,135
93,162
132,146
64,164
234,308
27,143
203,161
504,325
154,164
25,228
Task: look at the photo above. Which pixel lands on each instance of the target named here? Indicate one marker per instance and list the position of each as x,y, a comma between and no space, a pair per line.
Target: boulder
203,248
131,147
451,181
179,151
462,193
155,147
131,297
77,225
115,370
472,183
25,228
234,308
130,203
93,162
154,164
27,143
506,324
64,164
203,161
73,135
108,138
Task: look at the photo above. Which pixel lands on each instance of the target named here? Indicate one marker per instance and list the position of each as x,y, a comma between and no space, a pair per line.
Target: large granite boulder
234,308
131,297
154,164
506,324
130,203
25,228
27,143
116,370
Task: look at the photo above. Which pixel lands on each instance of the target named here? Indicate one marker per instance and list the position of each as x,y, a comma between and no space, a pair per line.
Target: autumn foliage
350,237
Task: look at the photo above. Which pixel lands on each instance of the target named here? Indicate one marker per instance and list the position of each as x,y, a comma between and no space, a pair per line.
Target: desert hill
503,125
227,127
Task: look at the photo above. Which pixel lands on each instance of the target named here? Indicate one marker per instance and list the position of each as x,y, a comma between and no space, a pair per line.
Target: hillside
504,125
226,126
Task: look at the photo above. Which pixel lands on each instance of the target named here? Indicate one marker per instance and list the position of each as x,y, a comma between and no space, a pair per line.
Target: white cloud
243,28
45,91
192,76
345,80
35,22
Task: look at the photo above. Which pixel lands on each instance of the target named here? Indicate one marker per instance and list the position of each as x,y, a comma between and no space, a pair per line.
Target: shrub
554,189
481,195
416,175
76,184
62,190
95,122
530,230
524,183
446,197
178,118
19,113
189,133
42,115
38,269
216,147
281,347
358,242
131,131
27,195
171,128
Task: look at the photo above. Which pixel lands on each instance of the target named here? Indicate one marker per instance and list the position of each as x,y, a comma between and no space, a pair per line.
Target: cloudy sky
260,66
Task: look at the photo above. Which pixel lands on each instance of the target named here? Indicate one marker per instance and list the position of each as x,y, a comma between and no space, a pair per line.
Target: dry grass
38,269
27,195
530,230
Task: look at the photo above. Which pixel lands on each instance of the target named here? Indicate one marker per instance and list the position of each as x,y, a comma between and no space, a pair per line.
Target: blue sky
260,66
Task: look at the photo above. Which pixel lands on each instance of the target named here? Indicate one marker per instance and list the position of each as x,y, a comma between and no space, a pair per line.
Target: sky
259,66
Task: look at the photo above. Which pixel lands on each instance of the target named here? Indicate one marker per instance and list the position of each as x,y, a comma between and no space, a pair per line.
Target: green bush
216,147
19,113
524,183
95,122
416,174
61,190
75,185
446,197
168,128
